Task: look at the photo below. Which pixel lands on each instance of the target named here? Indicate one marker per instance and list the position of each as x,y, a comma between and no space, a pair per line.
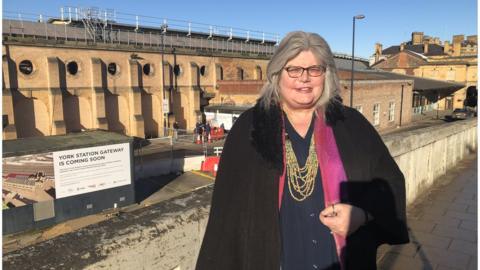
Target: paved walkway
443,226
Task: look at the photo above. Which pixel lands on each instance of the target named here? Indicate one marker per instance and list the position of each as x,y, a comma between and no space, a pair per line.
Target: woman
303,182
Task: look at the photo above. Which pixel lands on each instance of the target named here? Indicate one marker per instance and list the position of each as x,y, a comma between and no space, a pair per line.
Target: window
359,108
5,120
240,74
177,70
112,68
376,114
203,70
26,67
147,69
258,73
219,71
72,67
391,111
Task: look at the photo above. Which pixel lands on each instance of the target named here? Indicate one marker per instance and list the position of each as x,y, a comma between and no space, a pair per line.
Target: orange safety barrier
217,133
210,165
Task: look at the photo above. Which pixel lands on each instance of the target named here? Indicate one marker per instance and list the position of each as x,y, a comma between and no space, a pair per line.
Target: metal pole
353,62
359,17
170,102
401,107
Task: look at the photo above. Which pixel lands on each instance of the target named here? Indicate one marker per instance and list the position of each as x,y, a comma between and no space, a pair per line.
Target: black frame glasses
312,71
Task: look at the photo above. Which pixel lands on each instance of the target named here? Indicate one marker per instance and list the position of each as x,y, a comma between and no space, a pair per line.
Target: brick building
384,98
428,57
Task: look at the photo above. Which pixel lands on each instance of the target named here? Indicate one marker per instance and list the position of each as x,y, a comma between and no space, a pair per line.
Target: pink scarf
331,169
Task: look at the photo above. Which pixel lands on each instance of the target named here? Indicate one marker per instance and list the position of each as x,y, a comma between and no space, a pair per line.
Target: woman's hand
342,219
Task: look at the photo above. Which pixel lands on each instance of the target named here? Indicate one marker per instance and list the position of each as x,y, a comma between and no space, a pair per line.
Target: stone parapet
168,235
161,236
425,154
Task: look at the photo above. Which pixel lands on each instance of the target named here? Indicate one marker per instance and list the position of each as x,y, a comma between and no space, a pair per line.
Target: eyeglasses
312,71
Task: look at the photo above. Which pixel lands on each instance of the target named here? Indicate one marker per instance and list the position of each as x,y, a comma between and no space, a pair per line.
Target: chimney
425,47
472,39
417,38
402,46
378,51
457,44
446,47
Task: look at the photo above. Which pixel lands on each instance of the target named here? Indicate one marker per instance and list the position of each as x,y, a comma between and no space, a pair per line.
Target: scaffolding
97,22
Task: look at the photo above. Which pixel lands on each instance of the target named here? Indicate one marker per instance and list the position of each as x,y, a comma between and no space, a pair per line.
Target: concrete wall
155,167
425,154
156,237
168,235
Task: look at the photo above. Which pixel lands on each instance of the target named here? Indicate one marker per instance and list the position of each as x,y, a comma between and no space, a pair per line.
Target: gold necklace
301,181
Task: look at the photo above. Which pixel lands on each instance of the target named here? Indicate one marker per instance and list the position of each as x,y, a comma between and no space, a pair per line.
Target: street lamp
358,17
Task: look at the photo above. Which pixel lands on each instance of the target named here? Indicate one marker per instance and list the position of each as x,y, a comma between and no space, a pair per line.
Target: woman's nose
304,77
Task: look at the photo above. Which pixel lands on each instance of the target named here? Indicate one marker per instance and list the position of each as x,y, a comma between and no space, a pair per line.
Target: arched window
258,73
219,72
240,73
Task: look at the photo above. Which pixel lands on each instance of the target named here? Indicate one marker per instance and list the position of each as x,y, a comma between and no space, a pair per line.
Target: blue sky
389,22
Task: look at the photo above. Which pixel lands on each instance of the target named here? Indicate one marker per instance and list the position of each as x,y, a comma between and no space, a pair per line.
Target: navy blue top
306,242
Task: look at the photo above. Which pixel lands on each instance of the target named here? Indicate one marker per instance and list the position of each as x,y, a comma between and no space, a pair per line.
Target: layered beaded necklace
301,181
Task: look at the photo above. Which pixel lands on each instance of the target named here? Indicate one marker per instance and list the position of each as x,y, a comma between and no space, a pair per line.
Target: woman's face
302,92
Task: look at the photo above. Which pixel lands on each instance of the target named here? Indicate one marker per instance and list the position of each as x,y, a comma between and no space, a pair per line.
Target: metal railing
179,143
38,27
182,135
424,108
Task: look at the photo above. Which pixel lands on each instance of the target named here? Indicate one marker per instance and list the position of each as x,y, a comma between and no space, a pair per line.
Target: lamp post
358,17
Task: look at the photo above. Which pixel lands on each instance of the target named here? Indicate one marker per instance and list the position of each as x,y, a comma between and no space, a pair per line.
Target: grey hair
290,46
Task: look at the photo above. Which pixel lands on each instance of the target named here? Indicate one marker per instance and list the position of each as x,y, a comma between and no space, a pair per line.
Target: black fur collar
266,134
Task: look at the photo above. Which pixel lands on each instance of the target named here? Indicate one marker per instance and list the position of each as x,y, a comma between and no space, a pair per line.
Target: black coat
243,230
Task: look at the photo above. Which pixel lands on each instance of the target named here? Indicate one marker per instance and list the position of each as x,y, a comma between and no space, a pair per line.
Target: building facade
429,57
383,100
65,80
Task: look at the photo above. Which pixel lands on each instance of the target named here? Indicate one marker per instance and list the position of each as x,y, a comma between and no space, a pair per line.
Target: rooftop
35,145
433,49
419,84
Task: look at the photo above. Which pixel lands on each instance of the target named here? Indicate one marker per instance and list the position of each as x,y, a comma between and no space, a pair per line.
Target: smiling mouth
304,89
